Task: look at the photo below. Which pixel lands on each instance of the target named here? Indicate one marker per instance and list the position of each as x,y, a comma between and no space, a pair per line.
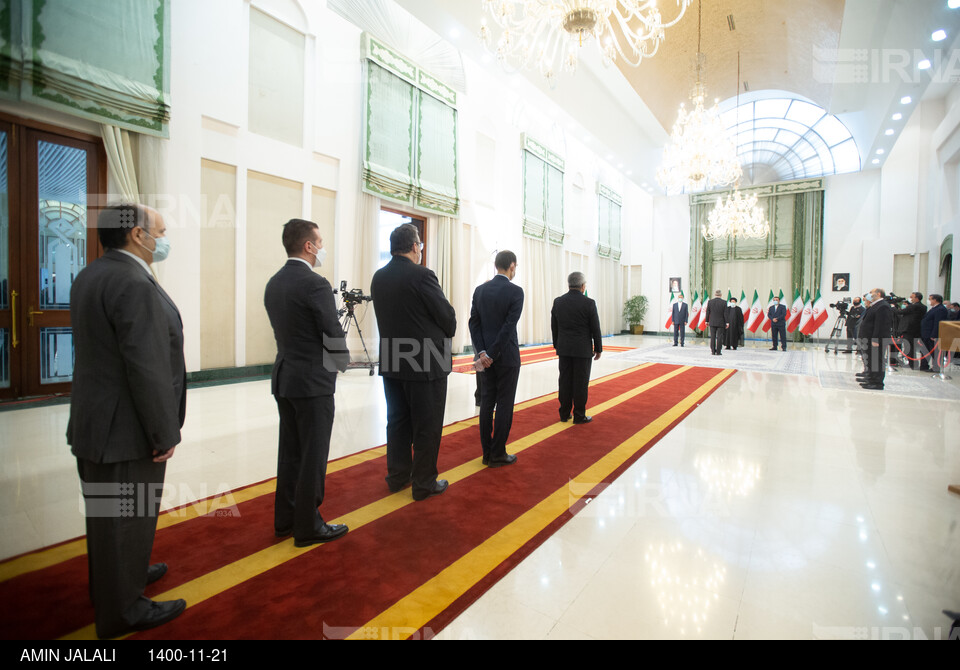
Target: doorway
50,181
390,219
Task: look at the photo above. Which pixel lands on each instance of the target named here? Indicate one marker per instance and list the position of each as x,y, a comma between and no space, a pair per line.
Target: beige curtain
366,253
541,274
606,288
453,263
121,164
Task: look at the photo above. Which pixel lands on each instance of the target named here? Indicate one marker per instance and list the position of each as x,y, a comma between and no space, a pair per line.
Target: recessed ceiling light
880,152
924,64
897,116
889,131
876,161
939,35
953,4
906,100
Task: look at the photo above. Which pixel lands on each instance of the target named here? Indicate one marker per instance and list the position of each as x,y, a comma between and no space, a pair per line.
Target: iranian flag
807,315
695,311
819,316
745,307
795,313
703,312
757,314
669,324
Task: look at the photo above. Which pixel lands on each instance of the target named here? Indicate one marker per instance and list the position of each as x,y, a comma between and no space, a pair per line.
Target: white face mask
161,248
319,257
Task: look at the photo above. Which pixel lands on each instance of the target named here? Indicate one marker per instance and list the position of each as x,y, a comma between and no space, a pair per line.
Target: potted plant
634,310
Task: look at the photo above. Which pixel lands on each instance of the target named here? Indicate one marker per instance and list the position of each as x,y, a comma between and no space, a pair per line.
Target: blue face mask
161,250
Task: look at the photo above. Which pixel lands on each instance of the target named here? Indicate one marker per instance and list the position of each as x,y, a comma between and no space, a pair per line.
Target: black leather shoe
507,459
438,488
485,460
397,489
155,572
586,419
872,387
284,532
158,614
773,348
329,532
564,419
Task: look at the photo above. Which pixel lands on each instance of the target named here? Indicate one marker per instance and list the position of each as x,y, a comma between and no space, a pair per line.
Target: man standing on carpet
777,314
717,320
575,324
733,337
416,326
681,316
126,411
310,350
876,329
497,305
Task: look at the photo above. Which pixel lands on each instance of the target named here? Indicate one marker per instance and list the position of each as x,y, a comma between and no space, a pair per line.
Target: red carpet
404,569
464,364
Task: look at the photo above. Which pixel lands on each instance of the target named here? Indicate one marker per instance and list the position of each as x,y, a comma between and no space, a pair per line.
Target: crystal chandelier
701,152
738,216
547,34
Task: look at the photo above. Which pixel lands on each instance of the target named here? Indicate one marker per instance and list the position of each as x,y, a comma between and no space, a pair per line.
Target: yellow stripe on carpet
421,606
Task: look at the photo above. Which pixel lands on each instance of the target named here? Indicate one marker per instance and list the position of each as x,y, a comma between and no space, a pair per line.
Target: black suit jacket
129,381
575,324
310,342
930,324
497,305
877,322
910,317
416,322
716,312
680,313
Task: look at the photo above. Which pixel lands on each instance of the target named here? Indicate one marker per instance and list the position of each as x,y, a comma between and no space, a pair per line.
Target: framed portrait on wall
676,285
841,281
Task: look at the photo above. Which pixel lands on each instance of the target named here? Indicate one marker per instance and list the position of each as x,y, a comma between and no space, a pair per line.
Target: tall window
542,192
609,223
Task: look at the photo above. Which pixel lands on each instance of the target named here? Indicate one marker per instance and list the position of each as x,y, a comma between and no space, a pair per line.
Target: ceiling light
897,116
906,100
924,64
547,35
876,161
939,35
953,4
889,132
880,152
738,217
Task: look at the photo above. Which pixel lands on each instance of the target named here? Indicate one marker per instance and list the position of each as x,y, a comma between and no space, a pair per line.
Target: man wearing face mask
126,411
876,329
777,314
854,314
310,350
910,316
930,330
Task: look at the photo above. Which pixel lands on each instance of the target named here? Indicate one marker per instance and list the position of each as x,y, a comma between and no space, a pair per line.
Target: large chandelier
546,35
737,216
701,152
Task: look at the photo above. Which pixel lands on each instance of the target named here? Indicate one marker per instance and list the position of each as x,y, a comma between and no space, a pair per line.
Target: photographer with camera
854,314
909,327
876,328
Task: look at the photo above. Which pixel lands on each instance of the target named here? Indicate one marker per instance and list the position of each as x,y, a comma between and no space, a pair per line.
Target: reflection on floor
781,508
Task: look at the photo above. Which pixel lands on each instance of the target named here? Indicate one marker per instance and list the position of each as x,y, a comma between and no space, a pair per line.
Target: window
542,192
609,223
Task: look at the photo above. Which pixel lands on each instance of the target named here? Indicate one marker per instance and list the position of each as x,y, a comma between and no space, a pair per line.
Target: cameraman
876,328
910,316
854,315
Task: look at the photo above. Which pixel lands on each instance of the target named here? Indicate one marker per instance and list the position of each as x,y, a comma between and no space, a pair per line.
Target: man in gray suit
575,326
126,412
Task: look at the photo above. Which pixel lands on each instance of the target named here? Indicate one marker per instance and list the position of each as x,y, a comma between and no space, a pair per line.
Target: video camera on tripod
841,307
348,317
351,298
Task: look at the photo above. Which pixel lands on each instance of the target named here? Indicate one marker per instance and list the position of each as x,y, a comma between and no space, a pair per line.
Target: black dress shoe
158,614
773,348
438,488
155,572
586,419
329,532
871,386
396,489
507,459
564,419
283,532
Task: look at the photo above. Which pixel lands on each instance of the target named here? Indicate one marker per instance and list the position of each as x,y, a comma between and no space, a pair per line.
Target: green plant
635,309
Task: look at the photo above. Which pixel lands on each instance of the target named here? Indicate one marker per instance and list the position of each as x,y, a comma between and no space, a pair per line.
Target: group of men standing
129,398
724,317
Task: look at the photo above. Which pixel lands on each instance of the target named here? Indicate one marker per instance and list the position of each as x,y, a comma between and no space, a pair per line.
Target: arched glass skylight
780,139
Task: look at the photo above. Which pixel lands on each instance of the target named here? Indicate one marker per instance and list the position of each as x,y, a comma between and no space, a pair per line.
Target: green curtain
542,193
104,60
609,223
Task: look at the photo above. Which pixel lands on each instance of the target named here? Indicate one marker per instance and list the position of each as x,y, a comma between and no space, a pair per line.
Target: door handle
13,316
30,314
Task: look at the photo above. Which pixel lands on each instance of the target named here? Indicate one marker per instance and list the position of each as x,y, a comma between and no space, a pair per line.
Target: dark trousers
414,421
717,335
498,392
875,361
305,428
679,331
122,501
573,386
930,362
779,330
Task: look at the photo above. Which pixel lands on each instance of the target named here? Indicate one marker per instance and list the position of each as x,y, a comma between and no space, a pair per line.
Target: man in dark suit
575,324
416,326
910,317
930,330
497,305
854,314
681,315
126,411
777,313
733,337
717,320
876,329
310,351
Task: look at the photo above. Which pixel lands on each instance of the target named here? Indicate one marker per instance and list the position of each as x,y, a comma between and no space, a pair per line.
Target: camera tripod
348,316
838,334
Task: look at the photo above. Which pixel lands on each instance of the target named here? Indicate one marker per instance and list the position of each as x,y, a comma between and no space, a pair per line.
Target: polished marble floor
778,509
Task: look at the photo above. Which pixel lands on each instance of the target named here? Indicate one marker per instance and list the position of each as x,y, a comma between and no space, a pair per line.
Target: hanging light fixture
737,216
701,152
547,35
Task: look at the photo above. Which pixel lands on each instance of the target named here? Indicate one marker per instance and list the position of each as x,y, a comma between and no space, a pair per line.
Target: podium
949,343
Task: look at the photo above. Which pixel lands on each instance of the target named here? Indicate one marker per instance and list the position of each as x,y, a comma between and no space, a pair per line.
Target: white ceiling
856,58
